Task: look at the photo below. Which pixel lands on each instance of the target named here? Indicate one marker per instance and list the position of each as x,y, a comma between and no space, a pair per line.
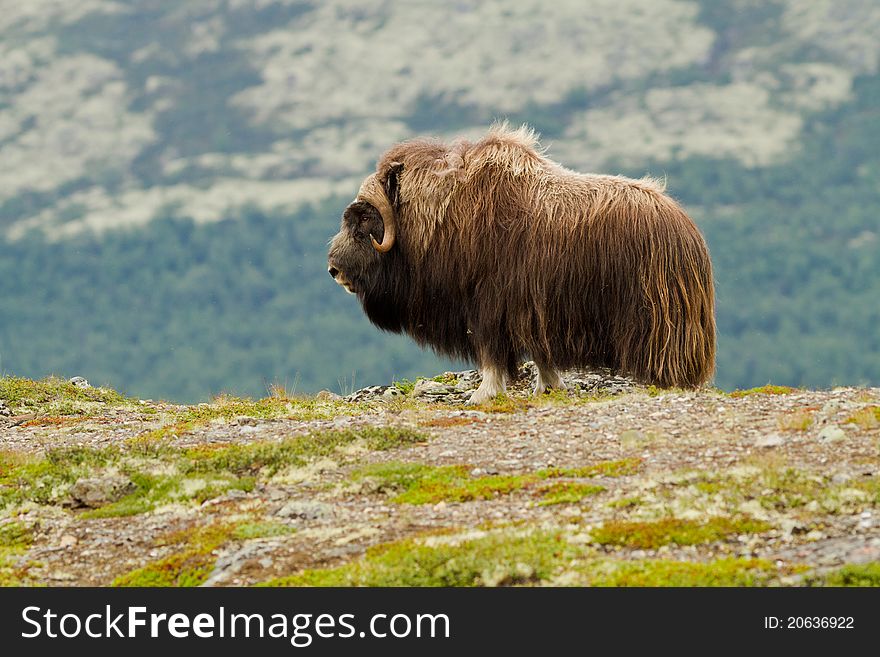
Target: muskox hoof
481,397
548,379
493,384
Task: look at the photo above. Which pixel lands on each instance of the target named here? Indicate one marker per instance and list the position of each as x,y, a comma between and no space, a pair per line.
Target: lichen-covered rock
428,387
95,492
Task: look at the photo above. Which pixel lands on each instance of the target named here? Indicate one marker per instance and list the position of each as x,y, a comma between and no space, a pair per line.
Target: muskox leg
548,377
494,383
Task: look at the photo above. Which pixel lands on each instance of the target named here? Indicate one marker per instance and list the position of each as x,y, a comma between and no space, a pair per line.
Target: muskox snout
340,278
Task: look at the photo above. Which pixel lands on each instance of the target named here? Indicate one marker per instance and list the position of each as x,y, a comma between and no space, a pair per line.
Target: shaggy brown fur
498,253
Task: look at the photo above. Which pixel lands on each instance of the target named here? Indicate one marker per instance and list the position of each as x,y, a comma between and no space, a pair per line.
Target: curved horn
373,193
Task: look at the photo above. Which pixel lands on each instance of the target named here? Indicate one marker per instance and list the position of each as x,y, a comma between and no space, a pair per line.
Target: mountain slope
171,174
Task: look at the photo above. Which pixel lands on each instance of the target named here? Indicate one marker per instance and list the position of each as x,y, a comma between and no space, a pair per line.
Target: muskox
489,251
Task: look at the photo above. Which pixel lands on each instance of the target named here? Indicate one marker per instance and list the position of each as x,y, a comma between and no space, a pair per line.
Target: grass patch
414,483
626,503
54,421
783,489
15,539
405,386
854,575
768,389
796,421
443,422
488,560
651,535
621,468
277,406
164,474
567,492
422,484
722,572
251,530
55,396
269,458
16,536
190,566
503,403
865,418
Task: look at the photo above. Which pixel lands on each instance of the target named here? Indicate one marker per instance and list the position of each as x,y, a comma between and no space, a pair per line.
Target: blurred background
170,172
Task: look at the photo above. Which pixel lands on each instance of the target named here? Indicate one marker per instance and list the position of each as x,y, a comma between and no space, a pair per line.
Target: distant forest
183,311
157,109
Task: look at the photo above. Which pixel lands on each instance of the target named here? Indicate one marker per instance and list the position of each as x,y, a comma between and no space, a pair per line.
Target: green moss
12,574
494,559
16,536
45,480
405,386
415,483
15,539
190,566
566,492
277,406
503,403
250,530
154,491
722,572
422,484
710,487
268,458
651,535
621,468
787,488
768,389
626,503
867,574
448,378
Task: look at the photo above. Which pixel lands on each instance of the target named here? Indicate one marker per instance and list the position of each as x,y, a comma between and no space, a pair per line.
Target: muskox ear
392,183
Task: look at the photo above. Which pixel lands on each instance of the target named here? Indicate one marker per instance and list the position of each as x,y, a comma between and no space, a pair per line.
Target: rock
326,395
95,492
79,382
5,411
467,380
831,434
840,478
229,563
305,510
770,440
425,387
790,526
67,541
391,392
366,394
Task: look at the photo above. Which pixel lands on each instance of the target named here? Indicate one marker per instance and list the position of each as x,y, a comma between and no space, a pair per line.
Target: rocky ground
608,483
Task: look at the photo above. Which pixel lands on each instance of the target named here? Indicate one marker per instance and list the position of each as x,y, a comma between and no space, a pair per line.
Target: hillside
170,173
608,485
